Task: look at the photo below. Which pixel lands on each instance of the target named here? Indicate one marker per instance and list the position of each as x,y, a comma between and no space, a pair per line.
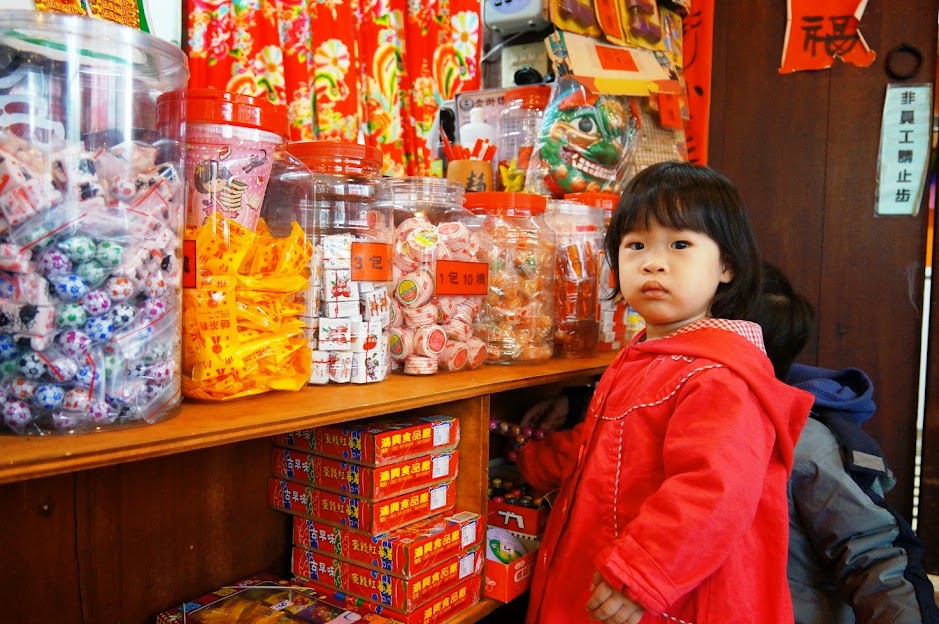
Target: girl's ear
727,274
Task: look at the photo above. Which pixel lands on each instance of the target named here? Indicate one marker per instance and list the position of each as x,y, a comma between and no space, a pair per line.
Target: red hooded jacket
674,487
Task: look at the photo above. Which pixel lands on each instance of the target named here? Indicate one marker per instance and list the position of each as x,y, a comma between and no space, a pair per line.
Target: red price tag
371,262
456,277
189,263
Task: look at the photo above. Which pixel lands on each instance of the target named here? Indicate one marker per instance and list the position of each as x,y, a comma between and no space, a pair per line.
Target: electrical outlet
514,57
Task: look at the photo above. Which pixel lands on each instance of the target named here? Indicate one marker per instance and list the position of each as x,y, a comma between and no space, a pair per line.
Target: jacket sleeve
717,448
850,533
545,463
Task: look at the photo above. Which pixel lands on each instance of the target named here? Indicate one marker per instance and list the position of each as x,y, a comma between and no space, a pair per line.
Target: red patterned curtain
372,71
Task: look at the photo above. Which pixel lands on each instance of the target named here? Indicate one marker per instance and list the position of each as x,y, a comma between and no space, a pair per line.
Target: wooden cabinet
115,527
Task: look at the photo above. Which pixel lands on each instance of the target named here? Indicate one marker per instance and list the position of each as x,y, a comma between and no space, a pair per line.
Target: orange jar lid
212,106
530,96
338,157
607,201
507,203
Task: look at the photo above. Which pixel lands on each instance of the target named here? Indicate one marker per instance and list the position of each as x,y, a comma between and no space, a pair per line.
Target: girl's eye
635,246
681,244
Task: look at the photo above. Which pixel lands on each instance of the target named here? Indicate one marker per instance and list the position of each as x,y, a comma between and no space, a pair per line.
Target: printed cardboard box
377,441
526,521
507,581
436,611
373,517
265,598
382,588
403,552
374,483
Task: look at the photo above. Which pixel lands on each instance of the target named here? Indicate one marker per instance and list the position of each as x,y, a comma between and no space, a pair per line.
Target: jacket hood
847,392
787,407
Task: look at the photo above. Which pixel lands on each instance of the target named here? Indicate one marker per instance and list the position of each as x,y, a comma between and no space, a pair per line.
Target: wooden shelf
200,425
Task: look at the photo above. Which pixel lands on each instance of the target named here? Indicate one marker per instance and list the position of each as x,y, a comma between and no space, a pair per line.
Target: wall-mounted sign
904,148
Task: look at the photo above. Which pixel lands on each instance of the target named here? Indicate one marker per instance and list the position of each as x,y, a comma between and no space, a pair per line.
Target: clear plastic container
90,204
518,313
517,130
579,230
349,300
441,273
612,314
247,251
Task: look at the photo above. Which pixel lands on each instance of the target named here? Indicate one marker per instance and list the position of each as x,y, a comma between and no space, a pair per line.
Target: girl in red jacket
672,503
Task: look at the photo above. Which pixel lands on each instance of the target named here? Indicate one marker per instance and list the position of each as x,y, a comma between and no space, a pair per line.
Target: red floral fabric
372,71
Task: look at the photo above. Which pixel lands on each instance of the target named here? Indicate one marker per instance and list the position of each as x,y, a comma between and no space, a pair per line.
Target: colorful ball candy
8,347
122,188
16,415
122,314
109,254
74,342
92,272
31,365
49,396
70,287
119,288
79,248
99,328
22,388
86,376
96,303
53,261
70,316
76,400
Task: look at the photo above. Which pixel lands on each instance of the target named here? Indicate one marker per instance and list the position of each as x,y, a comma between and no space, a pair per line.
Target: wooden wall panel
802,148
37,552
152,534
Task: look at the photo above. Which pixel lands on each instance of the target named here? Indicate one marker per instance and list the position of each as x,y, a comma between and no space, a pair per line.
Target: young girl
672,505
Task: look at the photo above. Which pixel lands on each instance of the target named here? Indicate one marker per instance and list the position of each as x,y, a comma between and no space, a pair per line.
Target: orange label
670,110
456,277
371,262
617,59
189,263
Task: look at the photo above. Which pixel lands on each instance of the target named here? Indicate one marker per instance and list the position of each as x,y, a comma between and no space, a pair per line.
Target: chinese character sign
819,31
904,148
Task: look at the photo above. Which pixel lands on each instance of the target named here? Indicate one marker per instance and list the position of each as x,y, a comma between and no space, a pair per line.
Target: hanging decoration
372,71
819,31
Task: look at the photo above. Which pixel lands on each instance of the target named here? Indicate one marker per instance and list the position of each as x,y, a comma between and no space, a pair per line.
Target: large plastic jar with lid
349,311
90,245
247,252
517,131
517,316
579,231
612,313
441,271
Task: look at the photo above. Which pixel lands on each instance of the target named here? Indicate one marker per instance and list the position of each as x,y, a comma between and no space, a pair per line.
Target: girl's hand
610,606
548,414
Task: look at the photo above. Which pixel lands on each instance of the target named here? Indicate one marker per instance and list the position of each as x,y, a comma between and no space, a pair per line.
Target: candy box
507,581
526,521
378,441
403,552
439,609
335,475
263,598
373,517
382,588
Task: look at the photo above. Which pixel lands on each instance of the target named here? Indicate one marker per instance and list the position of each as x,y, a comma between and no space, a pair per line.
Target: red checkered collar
751,331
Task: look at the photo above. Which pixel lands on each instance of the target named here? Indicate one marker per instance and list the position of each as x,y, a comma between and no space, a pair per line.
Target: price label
371,262
457,277
189,263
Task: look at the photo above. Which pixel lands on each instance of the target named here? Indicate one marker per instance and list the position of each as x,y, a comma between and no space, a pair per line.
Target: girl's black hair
690,197
786,318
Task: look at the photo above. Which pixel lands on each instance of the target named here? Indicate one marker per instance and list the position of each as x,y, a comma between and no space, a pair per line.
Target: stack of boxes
375,521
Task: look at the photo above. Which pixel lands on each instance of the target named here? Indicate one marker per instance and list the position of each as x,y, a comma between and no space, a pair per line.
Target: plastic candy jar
612,314
518,313
517,131
349,299
92,189
579,230
247,252
441,271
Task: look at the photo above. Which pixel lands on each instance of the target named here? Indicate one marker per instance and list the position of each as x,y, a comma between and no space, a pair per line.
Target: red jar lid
338,157
508,203
531,96
607,201
212,106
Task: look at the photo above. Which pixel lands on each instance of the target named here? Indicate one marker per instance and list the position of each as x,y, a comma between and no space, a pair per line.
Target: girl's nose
653,265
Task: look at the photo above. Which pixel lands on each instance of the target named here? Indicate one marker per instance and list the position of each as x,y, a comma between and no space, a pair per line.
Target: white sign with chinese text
904,148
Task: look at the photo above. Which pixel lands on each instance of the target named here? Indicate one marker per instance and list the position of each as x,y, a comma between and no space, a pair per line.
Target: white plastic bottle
477,128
